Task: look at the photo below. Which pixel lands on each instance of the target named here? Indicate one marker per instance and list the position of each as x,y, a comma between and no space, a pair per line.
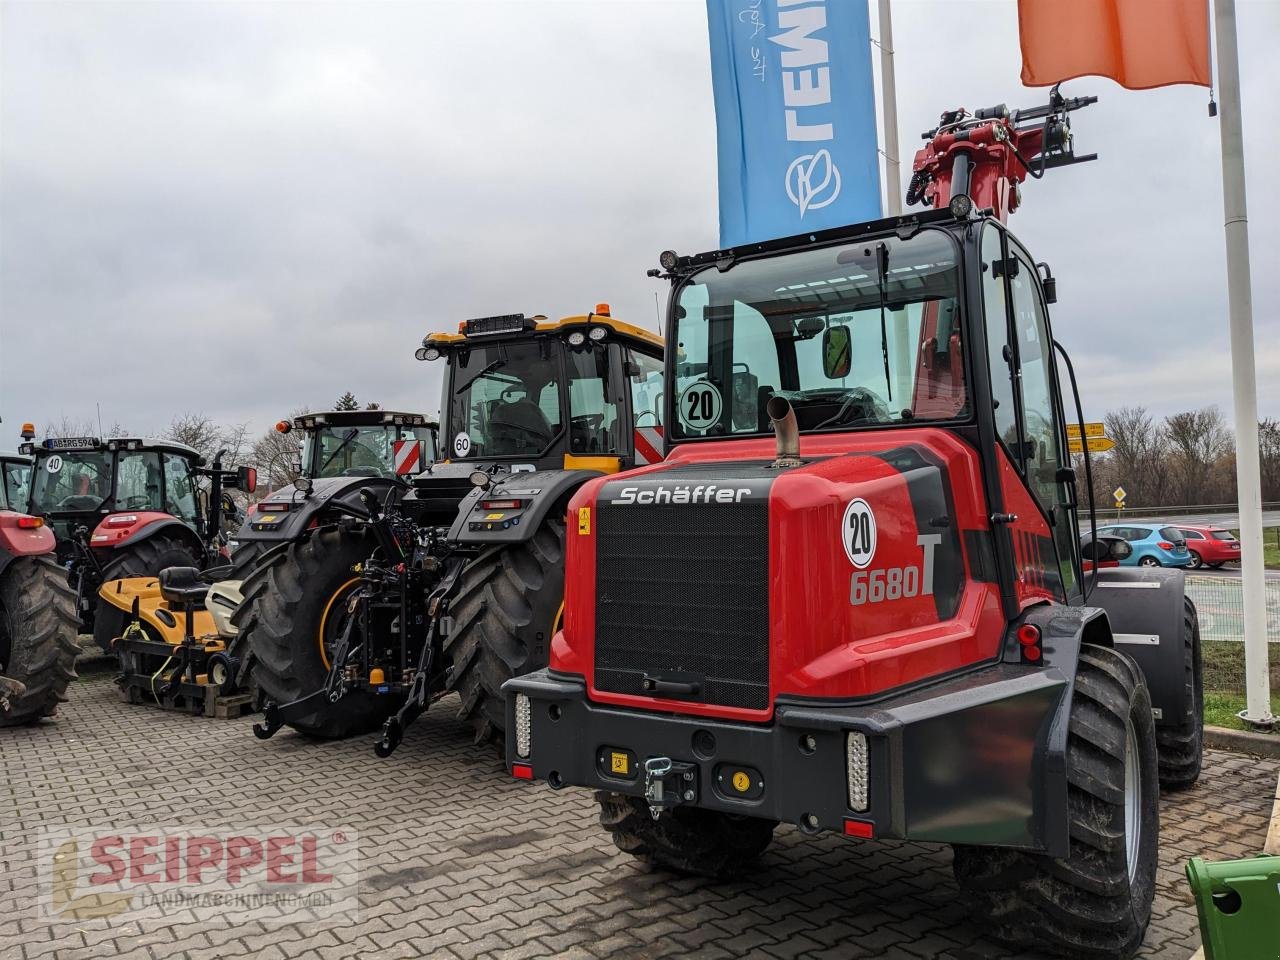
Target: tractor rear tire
1181,747
504,613
1096,901
146,558
38,626
687,840
287,605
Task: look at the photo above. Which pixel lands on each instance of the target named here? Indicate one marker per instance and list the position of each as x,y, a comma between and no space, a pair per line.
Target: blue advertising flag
795,116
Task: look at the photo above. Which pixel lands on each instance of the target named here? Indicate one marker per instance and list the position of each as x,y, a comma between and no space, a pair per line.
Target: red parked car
1211,547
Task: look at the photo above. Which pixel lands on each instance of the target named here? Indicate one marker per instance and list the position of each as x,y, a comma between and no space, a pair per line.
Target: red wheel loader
853,597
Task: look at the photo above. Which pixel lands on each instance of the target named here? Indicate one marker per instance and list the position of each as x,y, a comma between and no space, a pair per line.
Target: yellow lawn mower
178,649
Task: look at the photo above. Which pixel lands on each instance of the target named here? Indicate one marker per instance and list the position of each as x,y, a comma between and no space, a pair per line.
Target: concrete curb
1243,741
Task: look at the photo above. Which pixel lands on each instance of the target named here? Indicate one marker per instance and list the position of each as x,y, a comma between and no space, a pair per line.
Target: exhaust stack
785,430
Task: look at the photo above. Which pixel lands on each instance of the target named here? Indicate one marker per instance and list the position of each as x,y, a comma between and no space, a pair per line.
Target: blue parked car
1153,545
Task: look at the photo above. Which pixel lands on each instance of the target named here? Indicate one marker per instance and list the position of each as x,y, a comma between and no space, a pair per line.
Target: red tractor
126,507
854,598
37,618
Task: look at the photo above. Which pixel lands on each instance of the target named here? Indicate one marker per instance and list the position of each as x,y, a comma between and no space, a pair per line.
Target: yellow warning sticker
618,763
584,521
741,782
269,518
494,516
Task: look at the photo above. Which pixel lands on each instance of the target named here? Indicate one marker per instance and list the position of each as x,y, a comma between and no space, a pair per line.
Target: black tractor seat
183,588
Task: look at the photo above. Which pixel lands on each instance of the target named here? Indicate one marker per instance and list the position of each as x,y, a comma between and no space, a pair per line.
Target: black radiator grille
683,591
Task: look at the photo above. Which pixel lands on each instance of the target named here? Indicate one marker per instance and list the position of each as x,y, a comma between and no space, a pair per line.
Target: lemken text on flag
795,116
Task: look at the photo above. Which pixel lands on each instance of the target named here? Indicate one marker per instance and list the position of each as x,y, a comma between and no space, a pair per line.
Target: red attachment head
977,160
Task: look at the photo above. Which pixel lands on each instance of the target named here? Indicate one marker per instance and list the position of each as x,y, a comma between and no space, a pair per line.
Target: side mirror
837,352
246,479
1104,549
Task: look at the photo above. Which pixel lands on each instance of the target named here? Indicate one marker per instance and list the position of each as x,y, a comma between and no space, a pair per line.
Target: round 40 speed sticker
700,405
461,445
54,464
859,533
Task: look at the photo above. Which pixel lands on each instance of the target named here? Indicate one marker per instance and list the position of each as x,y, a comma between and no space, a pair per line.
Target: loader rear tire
38,645
1096,901
1181,747
293,605
505,612
687,840
146,558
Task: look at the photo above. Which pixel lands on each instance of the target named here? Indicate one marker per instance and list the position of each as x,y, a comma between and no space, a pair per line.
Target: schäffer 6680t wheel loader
877,622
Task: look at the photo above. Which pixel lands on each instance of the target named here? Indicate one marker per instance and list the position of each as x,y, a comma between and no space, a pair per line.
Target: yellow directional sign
1096,444
1090,430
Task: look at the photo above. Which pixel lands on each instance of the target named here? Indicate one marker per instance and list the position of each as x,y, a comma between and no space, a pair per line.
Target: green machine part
1239,906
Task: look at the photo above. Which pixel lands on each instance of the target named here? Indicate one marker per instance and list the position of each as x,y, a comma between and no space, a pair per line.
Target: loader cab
914,324
365,443
79,481
526,394
15,481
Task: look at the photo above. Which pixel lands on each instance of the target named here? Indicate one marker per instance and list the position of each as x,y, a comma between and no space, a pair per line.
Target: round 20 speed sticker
859,533
461,445
700,405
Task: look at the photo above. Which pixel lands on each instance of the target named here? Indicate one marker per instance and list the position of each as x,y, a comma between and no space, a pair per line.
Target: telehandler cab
385,597
876,621
126,507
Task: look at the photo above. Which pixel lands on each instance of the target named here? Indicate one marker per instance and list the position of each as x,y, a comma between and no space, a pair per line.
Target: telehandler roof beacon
889,628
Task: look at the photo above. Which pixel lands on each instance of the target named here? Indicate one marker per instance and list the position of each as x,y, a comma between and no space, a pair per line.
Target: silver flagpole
1243,374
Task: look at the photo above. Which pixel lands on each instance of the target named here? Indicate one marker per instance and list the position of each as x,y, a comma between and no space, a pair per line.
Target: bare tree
66,426
277,456
1197,440
196,430
1136,460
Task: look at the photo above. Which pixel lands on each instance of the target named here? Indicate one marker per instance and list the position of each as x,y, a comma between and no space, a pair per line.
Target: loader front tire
293,611
686,840
1181,747
505,612
38,645
1096,901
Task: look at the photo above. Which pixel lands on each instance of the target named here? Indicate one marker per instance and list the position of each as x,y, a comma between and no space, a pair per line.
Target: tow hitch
668,783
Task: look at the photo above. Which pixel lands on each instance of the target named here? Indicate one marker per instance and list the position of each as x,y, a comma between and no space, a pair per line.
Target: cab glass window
595,412
645,377
505,400
138,481
71,481
179,487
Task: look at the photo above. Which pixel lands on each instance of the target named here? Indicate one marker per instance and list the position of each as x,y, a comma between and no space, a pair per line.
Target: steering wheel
868,404
646,413
592,420
515,387
137,502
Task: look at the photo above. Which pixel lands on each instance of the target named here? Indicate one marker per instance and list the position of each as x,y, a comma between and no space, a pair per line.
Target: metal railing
1220,606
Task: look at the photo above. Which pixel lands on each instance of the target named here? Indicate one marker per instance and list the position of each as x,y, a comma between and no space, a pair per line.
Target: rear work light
501,504
122,520
856,756
524,731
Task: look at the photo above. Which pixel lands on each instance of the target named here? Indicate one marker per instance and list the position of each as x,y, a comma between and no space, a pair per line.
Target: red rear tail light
1165,545
859,828
522,771
500,504
1028,634
30,523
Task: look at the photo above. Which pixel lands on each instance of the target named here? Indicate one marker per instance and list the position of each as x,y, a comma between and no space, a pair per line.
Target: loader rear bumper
974,759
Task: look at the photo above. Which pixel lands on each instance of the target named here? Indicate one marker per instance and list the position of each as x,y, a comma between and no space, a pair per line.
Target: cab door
1032,451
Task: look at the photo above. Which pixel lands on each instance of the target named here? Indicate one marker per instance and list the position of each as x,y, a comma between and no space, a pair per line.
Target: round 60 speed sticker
859,533
700,405
461,445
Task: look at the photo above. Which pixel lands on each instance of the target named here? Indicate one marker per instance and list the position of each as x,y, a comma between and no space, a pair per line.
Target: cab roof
362,418
78,444
540,325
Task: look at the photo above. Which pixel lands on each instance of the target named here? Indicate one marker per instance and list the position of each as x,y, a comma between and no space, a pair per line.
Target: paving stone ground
460,861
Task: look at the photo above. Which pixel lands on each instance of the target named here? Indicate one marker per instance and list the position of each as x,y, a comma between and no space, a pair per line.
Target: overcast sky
244,208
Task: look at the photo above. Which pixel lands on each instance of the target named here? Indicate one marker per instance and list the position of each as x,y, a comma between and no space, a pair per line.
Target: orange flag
1137,43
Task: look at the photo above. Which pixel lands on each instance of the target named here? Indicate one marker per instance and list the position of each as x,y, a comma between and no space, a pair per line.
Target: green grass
1224,682
1270,547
